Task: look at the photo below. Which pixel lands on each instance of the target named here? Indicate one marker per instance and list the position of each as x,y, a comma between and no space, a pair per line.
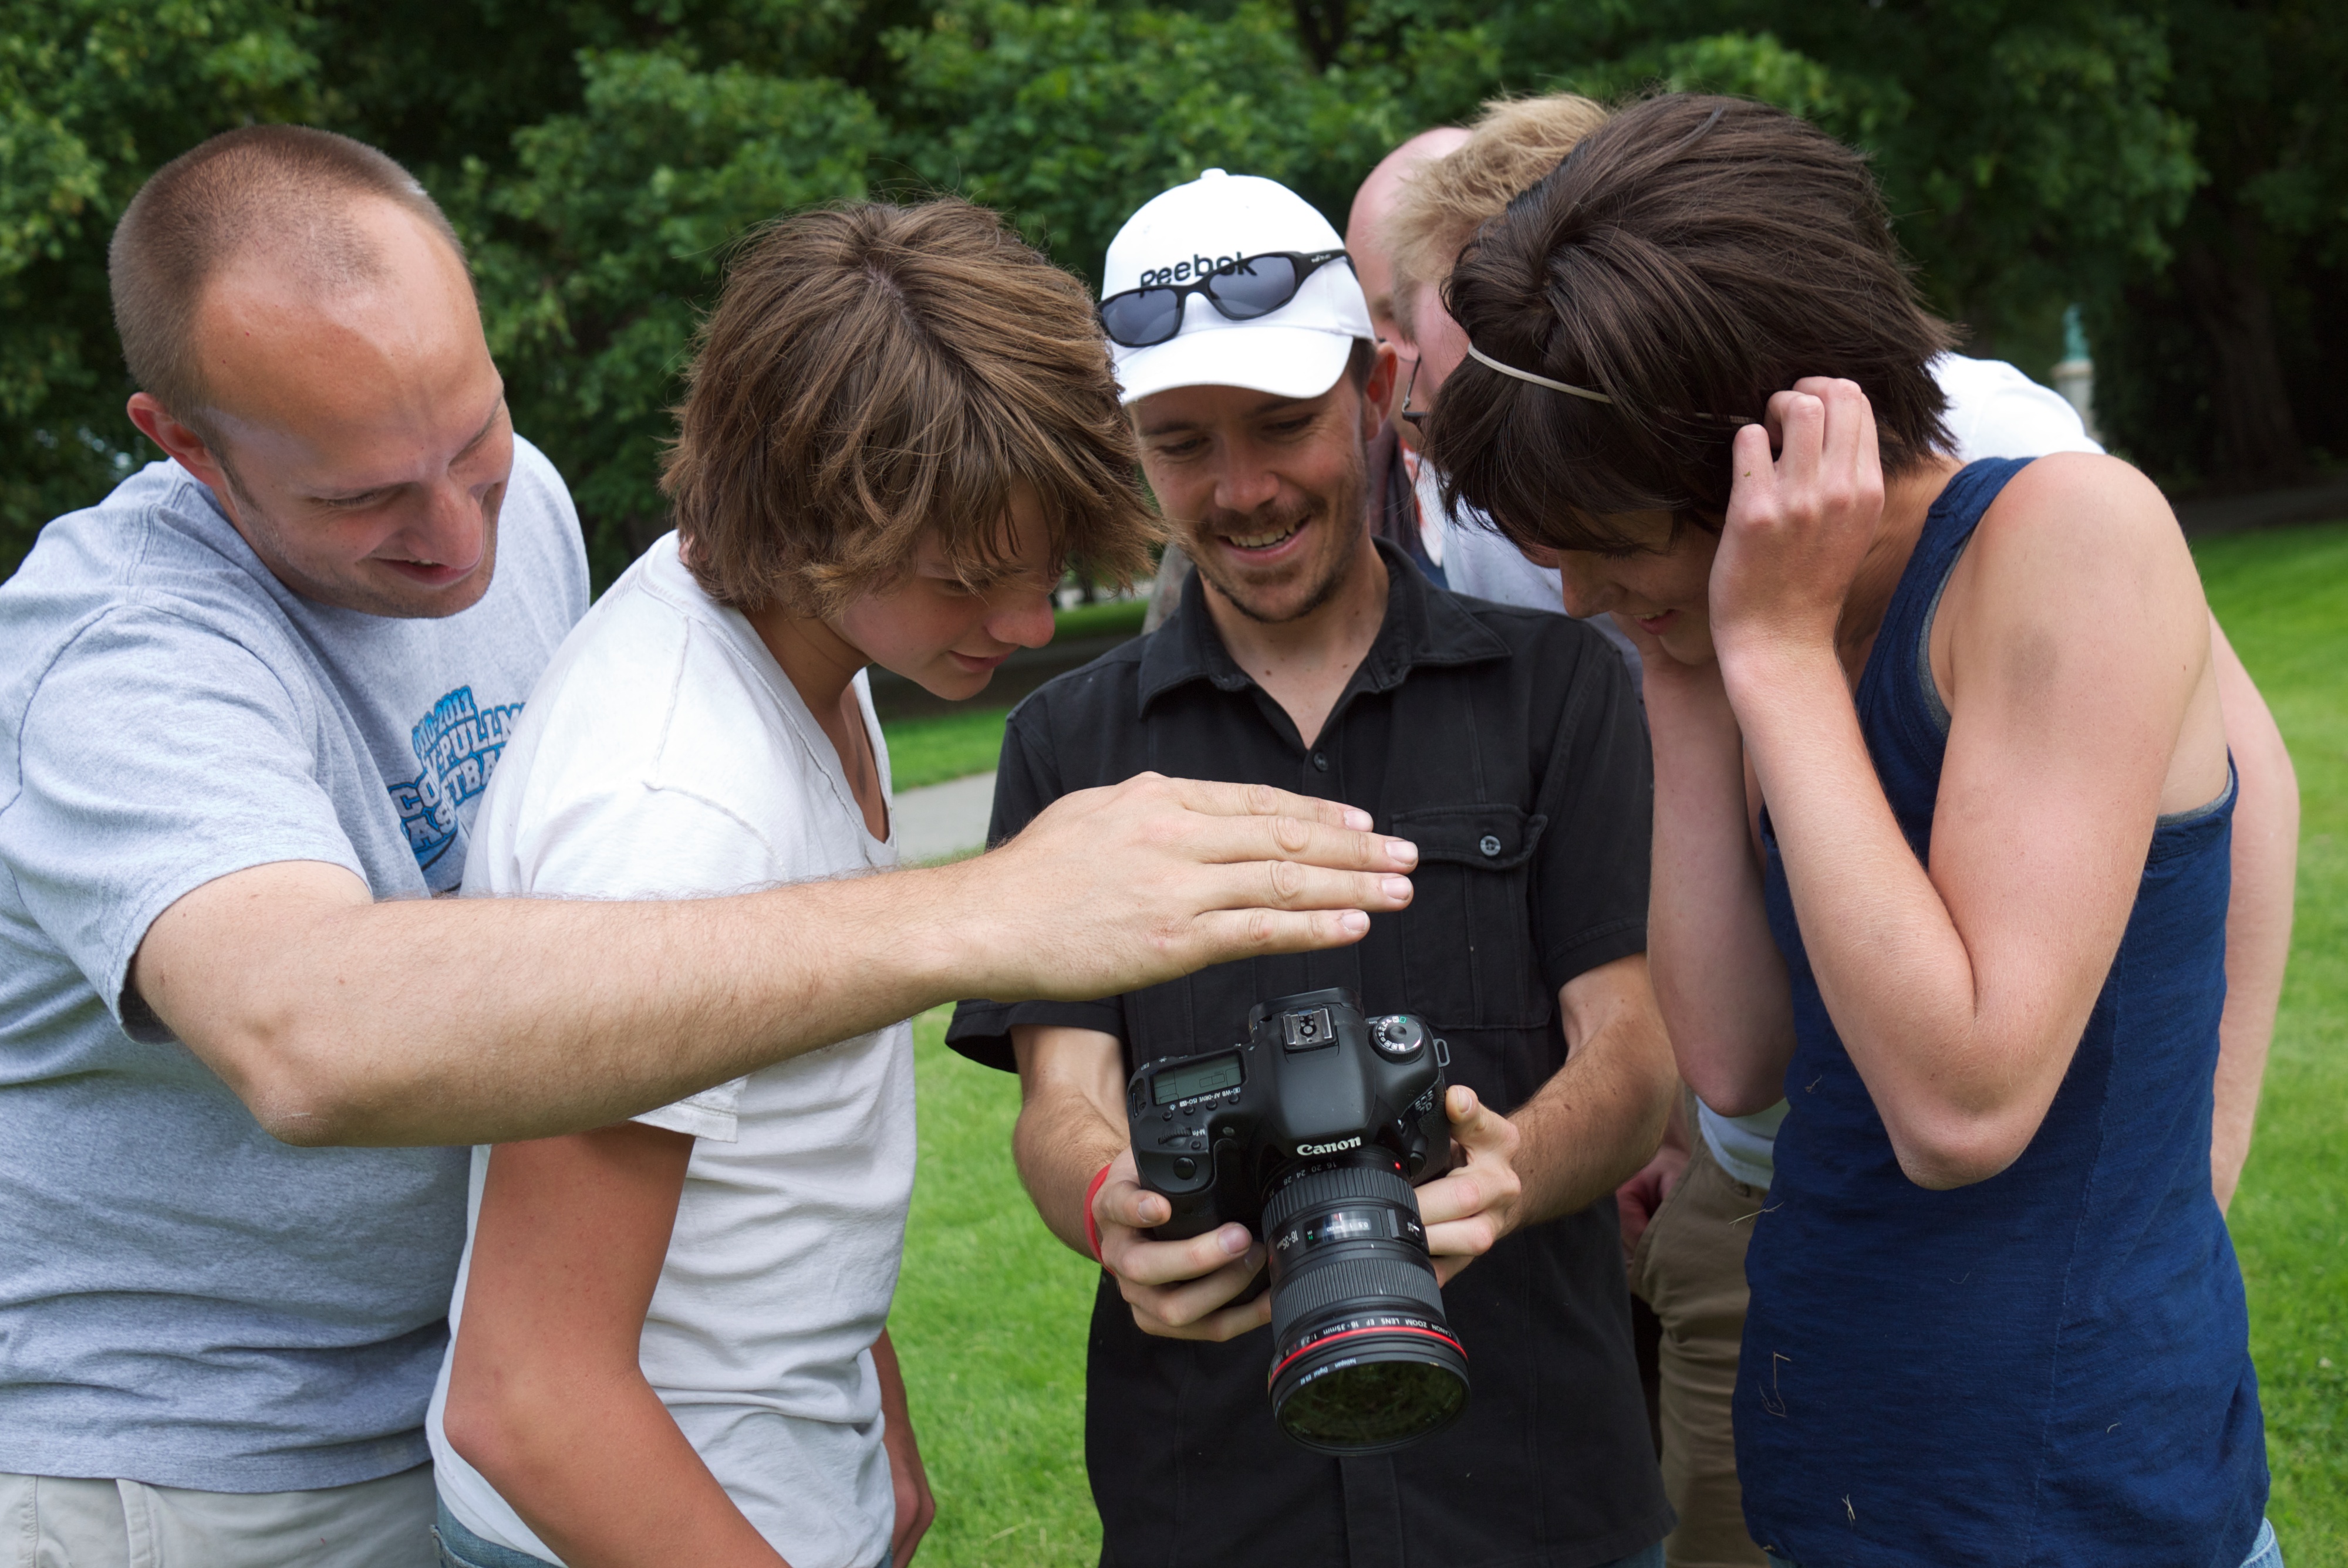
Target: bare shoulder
2083,498
2078,535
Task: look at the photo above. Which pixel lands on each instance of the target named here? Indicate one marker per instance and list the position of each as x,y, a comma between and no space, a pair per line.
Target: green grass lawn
1105,617
992,1312
990,1324
2283,599
932,750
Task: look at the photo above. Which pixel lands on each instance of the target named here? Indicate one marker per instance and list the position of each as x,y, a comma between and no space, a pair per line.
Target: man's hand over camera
1114,889
1470,1209
1177,1289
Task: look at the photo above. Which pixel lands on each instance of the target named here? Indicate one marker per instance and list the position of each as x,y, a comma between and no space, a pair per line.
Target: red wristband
1092,1230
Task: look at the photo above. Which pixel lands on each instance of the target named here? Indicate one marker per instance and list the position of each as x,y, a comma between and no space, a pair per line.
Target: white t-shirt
666,754
1994,411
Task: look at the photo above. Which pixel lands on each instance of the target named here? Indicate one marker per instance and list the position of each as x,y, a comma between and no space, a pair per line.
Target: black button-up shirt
1507,744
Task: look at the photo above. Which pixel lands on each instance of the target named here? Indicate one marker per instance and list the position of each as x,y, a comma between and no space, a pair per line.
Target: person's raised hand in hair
1799,524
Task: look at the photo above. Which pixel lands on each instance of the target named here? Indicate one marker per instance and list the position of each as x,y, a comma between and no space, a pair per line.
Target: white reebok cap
1298,351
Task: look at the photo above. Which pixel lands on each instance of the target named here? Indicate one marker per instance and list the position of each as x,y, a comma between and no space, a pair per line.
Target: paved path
939,820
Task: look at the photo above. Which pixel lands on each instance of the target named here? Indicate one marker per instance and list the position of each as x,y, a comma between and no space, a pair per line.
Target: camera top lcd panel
1313,1080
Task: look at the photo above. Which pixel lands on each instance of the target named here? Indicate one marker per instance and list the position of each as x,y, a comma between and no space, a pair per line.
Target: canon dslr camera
1311,1133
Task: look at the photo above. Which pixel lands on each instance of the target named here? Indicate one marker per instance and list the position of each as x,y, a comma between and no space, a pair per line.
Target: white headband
1480,357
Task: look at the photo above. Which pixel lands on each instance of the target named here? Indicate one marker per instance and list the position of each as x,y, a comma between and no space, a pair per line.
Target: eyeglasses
1417,417
1241,287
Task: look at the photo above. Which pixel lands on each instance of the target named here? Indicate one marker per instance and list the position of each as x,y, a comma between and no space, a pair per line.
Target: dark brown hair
1688,259
874,372
284,189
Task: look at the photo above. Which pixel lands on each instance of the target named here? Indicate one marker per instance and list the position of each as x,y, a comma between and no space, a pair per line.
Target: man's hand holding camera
1177,1289
1468,1210
1190,1289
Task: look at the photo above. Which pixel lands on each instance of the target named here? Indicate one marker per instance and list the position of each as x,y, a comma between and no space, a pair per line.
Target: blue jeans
460,1548
2266,1552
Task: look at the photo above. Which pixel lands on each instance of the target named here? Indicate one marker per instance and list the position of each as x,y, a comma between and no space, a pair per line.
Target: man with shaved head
248,706
1372,203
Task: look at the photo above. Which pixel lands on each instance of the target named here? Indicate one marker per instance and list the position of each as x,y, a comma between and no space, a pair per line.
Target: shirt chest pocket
1467,936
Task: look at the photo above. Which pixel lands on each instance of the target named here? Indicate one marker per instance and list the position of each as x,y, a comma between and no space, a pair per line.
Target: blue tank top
2051,1366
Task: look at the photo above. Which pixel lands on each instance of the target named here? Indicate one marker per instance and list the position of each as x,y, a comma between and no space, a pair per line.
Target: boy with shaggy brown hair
669,1335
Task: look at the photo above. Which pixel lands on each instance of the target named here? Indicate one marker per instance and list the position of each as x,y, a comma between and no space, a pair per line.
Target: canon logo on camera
1305,1151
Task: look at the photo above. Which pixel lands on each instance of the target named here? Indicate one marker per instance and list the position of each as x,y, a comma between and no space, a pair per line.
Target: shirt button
1491,847
1321,761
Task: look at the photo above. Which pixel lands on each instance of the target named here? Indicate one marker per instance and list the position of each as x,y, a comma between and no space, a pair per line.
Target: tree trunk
1322,27
2258,439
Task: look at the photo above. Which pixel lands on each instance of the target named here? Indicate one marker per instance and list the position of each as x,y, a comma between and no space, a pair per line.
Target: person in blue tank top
1942,818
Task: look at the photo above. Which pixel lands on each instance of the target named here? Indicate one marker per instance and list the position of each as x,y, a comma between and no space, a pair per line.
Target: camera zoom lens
1362,1359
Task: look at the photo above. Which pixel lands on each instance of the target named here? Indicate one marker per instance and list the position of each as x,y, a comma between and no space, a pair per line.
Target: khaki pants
46,1522
1690,1268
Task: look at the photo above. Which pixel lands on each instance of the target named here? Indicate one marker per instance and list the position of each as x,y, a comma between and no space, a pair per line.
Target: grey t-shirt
184,1300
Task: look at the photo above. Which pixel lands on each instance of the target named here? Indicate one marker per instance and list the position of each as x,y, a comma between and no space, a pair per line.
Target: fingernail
1353,923
1394,887
1402,852
1357,819
1235,1239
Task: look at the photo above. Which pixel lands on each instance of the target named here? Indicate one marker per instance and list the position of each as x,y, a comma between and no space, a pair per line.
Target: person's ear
1377,393
178,440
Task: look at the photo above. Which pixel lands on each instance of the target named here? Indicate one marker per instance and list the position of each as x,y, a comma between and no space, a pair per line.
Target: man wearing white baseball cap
1308,653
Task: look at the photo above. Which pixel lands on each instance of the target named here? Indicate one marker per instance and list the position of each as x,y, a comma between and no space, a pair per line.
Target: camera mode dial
1399,1037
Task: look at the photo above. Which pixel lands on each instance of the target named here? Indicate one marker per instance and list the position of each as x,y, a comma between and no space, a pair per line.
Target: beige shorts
51,1522
1690,1268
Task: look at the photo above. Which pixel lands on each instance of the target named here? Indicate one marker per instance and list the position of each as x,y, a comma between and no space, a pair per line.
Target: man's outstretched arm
340,1019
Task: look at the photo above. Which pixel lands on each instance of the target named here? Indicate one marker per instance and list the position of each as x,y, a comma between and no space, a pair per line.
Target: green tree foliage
92,98
2225,363
595,250
602,156
1066,117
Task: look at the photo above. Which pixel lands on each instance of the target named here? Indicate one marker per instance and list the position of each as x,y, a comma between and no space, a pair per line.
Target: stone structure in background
1173,571
2074,376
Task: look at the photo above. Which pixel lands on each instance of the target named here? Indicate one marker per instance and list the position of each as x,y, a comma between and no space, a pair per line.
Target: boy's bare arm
917,1507
547,1397
341,1020
2258,918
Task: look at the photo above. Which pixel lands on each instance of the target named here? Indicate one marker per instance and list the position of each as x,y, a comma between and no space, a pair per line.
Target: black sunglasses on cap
1242,289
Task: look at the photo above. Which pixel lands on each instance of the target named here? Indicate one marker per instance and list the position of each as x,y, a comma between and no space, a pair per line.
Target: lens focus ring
1381,1281
1347,1184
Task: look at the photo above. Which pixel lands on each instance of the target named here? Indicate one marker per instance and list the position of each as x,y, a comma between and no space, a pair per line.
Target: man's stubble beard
1335,564
354,593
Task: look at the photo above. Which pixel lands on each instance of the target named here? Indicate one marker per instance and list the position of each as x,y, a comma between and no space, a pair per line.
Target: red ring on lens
1283,1365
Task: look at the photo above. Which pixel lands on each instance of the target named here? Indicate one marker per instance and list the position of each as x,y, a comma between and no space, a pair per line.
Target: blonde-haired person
1699,1197
668,1333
